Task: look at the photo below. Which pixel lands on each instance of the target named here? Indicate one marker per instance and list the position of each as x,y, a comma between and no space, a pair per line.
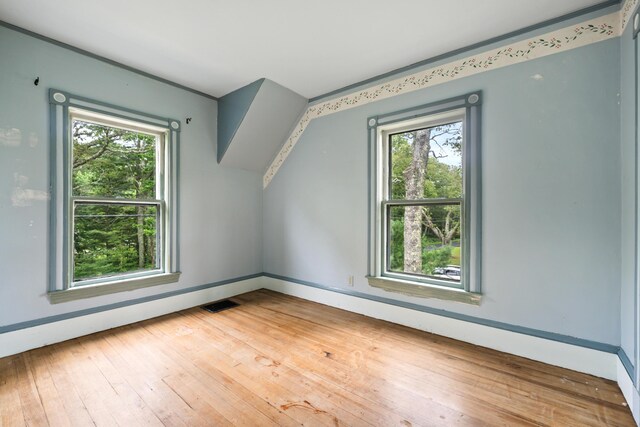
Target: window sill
122,285
424,291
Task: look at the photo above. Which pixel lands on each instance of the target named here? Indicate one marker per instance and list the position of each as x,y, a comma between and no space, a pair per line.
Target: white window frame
65,108
466,109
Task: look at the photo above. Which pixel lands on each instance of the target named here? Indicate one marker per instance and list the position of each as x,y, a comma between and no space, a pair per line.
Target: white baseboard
630,393
595,362
38,336
590,361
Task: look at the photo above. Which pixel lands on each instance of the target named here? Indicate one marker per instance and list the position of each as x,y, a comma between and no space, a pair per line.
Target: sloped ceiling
232,110
217,46
254,121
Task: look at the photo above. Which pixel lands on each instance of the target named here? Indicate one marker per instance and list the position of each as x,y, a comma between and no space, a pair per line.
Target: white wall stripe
588,32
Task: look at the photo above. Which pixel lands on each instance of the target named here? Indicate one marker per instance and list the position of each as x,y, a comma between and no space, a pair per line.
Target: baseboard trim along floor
591,361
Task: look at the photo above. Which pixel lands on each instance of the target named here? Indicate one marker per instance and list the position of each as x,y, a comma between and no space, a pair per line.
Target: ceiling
217,46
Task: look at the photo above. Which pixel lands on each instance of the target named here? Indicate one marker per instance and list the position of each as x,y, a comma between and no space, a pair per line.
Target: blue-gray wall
559,189
628,94
220,224
551,196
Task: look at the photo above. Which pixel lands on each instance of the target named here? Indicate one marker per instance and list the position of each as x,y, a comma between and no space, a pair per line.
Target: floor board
277,360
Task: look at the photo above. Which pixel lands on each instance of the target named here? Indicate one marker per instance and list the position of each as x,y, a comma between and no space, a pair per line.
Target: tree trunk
151,249
414,184
450,227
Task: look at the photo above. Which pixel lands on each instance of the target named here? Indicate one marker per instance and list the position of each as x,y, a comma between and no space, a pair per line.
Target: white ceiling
217,46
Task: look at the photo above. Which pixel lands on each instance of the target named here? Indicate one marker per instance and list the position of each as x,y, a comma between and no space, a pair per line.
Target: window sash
115,201
131,125
161,226
442,118
160,135
447,117
422,202
386,242
159,201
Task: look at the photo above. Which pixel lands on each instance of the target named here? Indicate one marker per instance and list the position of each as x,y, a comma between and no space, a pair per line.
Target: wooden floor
279,360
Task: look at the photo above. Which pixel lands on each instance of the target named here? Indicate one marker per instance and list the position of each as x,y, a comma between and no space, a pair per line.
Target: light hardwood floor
279,360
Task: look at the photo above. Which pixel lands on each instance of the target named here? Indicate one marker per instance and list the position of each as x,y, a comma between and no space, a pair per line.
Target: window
425,204
113,210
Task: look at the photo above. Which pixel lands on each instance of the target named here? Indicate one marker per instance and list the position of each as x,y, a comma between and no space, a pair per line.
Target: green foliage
396,246
431,259
117,164
455,255
400,160
443,179
434,254
112,162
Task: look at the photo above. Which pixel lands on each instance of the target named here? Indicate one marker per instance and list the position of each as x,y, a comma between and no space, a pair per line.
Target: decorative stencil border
625,13
592,31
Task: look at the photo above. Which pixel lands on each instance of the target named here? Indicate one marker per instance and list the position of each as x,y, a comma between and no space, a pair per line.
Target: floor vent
220,305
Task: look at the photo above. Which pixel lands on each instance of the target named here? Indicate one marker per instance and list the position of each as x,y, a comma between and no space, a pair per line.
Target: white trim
562,40
594,362
38,336
581,359
631,395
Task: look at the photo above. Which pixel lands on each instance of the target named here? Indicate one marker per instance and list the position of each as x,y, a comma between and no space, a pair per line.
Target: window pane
426,163
112,239
425,240
113,162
